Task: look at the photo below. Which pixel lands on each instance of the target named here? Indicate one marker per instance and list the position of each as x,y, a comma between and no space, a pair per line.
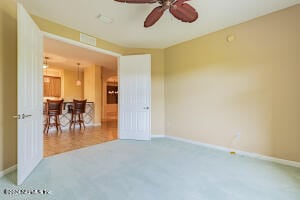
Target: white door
135,97
30,95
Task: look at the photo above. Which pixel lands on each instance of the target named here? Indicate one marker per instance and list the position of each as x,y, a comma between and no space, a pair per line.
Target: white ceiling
127,27
66,56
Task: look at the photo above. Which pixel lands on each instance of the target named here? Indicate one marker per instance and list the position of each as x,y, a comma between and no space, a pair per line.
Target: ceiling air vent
88,39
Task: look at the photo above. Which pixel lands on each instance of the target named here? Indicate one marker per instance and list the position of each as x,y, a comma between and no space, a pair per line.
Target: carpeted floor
161,169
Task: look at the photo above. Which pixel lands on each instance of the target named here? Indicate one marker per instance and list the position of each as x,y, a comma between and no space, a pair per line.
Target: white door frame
92,48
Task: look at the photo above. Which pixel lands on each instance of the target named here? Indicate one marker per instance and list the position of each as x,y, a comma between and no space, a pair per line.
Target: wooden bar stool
77,111
53,110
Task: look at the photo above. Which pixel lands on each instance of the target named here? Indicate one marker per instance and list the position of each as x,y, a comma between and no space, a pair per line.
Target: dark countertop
65,102
66,106
72,102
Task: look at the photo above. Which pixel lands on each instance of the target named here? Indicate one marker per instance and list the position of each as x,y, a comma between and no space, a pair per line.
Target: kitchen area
58,86
74,73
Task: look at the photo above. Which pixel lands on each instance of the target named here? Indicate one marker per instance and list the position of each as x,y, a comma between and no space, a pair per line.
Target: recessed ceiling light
105,19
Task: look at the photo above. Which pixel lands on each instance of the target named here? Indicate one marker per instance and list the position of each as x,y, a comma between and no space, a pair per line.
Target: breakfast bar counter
65,117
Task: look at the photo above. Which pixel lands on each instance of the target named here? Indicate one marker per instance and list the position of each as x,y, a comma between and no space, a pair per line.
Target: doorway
133,70
110,93
72,72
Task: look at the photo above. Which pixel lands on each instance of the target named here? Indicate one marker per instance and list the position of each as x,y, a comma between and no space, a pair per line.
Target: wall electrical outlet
238,135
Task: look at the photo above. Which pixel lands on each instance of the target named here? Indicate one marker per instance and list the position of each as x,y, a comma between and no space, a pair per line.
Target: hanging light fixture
45,66
78,82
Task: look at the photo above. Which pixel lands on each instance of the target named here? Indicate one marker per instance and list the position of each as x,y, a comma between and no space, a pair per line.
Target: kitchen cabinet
52,86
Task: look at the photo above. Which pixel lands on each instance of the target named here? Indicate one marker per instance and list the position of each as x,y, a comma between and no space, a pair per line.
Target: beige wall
157,67
72,34
89,83
92,90
8,84
71,90
215,89
98,100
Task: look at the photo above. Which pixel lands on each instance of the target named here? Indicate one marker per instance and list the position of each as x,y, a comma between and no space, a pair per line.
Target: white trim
79,44
157,135
8,170
239,152
118,73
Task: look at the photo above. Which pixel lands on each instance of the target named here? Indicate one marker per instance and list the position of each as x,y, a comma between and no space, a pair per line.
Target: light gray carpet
162,169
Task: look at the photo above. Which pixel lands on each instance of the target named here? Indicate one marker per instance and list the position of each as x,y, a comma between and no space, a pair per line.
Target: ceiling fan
178,8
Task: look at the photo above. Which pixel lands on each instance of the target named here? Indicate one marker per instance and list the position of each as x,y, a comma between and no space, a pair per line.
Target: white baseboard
239,152
8,170
157,135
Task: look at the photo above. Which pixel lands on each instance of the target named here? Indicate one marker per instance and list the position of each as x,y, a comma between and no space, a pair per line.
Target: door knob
25,116
146,108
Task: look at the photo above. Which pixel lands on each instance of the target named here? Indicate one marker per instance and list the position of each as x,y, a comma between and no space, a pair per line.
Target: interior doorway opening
110,96
71,73
134,98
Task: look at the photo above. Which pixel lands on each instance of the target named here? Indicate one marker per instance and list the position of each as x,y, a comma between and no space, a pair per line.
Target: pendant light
78,82
45,66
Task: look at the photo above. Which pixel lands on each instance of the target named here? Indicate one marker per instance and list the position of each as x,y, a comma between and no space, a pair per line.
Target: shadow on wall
8,90
244,94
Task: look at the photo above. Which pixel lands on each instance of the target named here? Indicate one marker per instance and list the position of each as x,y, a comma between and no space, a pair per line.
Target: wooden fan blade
137,1
184,12
181,1
154,16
